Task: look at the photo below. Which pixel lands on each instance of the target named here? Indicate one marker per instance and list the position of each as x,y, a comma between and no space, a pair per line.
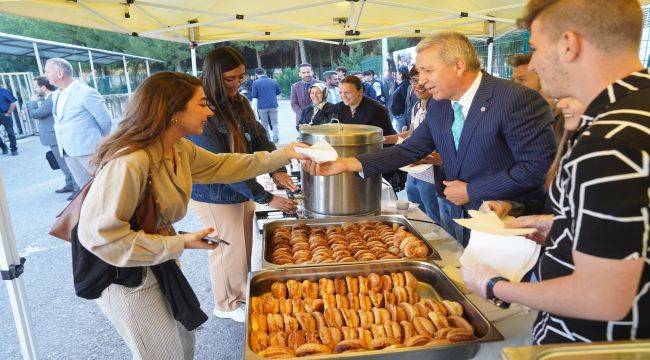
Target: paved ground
67,327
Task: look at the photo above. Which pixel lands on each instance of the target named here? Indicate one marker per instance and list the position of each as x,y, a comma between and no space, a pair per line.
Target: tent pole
146,62
126,74
92,68
193,53
384,56
81,73
490,54
15,287
38,59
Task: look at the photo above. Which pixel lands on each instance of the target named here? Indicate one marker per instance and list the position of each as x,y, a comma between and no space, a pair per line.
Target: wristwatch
489,291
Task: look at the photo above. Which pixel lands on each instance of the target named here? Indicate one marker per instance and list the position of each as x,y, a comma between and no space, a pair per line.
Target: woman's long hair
555,166
148,114
232,111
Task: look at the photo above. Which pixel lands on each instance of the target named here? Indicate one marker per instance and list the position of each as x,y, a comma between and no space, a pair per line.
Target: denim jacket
215,138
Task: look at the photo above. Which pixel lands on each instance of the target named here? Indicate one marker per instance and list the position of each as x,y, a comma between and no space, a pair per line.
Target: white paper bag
320,152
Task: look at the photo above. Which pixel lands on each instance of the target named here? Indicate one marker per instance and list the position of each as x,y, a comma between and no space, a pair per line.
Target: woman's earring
174,121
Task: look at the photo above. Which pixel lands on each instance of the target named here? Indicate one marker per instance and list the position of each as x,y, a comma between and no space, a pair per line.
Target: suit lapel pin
482,108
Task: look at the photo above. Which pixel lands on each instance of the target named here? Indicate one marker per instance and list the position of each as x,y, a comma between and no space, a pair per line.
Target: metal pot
344,194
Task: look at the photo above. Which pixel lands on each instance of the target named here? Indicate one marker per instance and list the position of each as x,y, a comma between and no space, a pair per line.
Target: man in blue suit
494,136
81,119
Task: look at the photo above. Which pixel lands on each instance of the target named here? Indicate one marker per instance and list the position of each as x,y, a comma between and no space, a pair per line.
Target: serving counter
514,323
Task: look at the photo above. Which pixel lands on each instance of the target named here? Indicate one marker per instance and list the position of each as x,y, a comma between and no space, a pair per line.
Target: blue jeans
8,123
424,193
447,222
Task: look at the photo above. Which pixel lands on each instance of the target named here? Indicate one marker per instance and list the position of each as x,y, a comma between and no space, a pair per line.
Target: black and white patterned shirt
601,202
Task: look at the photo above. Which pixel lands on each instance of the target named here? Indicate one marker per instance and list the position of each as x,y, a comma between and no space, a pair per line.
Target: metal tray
432,283
269,227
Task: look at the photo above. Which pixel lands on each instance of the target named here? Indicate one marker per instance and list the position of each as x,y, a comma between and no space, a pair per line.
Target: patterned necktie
459,121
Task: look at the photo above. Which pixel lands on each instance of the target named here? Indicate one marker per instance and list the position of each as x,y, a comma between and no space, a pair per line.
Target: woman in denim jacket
229,208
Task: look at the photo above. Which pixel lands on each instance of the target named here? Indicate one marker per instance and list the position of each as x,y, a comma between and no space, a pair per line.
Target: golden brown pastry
407,329
374,282
398,279
417,340
378,331
395,346
342,302
380,315
326,337
438,320
306,321
453,308
278,338
312,349
376,298
352,284
436,306
285,306
296,306
256,305
312,337
389,297
259,341
411,295
353,300
294,289
310,289
349,333
337,335
365,318
424,326
457,335
329,301
351,318
410,311
349,344
363,285
258,322
276,352
279,290
401,295
340,287
387,283
442,333
295,339
393,330
436,342
380,343
290,323
422,309
364,302
416,250
320,320
274,322
410,280
460,322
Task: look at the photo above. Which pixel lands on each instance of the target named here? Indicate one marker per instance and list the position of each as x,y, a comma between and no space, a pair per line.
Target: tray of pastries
332,241
403,308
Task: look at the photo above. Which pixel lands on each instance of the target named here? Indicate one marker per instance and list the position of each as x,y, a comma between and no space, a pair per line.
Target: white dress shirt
63,97
467,98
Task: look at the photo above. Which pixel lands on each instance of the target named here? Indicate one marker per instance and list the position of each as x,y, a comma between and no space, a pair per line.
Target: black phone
209,239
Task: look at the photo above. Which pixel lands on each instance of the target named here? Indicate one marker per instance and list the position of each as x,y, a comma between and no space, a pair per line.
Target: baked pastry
342,302
278,338
295,339
290,323
325,336
259,341
337,335
436,342
365,318
306,321
438,320
340,287
410,311
274,322
349,333
320,320
294,289
285,306
310,289
377,298
353,300
457,335
460,322
393,330
410,280
407,329
424,326
364,302
417,340
277,352
349,344
256,305
380,343
333,317
351,318
279,290
453,308
312,349
258,322
375,283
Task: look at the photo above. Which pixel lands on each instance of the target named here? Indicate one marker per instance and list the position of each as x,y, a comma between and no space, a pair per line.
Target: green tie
459,121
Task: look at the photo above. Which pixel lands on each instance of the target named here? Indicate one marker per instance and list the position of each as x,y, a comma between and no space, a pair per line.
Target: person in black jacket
320,111
398,104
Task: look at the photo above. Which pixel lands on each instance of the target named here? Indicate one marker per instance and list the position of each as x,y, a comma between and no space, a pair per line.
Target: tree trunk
259,59
331,56
303,53
350,51
296,54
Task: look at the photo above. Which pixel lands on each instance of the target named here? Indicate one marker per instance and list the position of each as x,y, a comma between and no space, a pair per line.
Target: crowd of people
563,146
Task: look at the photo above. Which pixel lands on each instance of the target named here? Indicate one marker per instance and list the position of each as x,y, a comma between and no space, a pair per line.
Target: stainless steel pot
344,194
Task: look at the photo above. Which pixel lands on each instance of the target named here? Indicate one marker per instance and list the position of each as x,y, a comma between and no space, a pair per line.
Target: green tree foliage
289,76
352,61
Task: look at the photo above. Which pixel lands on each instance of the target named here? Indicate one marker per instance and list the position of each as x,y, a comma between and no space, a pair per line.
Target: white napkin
489,222
414,169
320,152
510,256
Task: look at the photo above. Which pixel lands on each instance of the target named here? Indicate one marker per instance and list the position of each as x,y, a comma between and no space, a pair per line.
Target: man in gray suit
81,119
43,113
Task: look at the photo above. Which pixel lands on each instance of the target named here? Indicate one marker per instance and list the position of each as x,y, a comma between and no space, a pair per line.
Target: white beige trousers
144,320
229,264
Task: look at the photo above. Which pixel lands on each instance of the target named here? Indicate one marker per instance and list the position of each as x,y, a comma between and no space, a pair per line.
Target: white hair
62,64
452,46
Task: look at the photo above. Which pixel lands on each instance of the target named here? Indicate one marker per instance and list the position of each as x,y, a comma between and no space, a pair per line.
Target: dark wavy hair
237,111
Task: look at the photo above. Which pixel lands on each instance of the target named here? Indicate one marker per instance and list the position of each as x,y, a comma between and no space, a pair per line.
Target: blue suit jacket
506,147
84,122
